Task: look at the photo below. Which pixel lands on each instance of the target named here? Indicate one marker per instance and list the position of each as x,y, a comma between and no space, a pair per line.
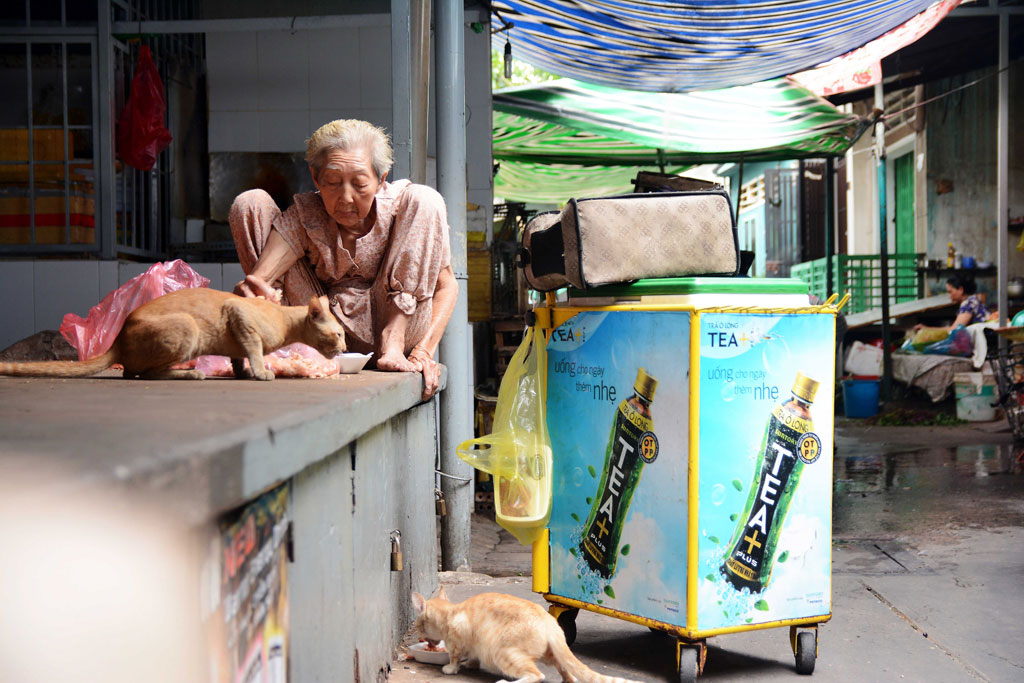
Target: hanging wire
505,26
945,94
464,480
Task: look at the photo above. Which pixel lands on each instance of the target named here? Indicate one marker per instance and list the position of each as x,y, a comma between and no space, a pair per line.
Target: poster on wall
765,452
617,402
249,625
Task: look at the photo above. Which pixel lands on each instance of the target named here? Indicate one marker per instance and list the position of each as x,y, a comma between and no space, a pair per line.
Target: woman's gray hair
349,134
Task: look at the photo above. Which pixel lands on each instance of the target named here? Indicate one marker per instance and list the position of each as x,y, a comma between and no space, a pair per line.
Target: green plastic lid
698,285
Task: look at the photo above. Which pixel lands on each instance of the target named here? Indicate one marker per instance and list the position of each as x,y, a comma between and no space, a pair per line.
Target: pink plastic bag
141,134
294,360
95,333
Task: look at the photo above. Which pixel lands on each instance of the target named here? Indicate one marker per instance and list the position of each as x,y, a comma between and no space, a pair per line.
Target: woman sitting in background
961,290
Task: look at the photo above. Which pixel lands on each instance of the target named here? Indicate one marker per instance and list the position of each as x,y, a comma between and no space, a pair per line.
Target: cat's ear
441,594
316,309
418,602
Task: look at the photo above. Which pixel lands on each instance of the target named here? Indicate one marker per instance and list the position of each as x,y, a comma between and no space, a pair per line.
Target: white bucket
975,394
863,359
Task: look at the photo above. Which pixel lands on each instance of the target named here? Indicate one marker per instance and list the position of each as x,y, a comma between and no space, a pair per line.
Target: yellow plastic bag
926,336
517,453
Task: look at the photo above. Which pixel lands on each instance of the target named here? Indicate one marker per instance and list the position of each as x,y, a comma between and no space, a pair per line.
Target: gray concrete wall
962,150
349,610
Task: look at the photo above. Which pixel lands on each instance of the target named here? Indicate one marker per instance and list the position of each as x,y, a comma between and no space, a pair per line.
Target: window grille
52,160
752,194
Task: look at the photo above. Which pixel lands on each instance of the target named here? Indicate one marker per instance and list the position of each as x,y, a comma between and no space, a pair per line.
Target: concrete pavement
928,574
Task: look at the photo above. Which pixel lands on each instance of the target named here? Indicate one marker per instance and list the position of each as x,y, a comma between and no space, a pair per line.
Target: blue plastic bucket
860,397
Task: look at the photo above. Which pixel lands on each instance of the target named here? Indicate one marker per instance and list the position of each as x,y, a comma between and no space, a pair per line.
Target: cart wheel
806,646
688,664
567,620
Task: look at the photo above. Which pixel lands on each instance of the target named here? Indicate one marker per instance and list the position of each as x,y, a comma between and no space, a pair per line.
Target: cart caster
691,657
566,618
688,665
805,648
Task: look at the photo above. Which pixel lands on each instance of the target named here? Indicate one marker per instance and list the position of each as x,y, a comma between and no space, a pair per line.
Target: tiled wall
269,90
37,294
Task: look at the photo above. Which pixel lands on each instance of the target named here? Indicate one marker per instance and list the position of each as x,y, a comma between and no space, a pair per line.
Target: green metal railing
860,275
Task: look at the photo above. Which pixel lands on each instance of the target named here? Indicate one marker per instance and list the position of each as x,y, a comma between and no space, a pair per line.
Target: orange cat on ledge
183,325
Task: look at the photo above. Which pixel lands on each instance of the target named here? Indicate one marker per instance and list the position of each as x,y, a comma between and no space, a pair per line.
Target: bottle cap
645,385
804,387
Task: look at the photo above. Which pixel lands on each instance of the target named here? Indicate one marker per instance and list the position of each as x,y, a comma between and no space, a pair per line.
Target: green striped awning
767,121
563,138
525,181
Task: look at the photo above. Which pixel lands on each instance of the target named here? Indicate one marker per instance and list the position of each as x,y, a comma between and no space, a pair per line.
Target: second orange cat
501,634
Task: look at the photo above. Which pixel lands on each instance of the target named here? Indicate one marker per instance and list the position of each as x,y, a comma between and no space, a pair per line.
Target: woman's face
956,294
347,186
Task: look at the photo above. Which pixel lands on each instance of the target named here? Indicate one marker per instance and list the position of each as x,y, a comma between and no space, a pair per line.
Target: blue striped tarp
661,45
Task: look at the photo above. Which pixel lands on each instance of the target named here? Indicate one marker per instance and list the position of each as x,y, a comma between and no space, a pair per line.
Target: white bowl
424,656
351,363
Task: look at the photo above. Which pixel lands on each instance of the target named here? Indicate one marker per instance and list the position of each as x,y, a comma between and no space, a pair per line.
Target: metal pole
457,398
1003,164
401,87
883,245
739,188
830,224
410,84
420,88
801,216
106,194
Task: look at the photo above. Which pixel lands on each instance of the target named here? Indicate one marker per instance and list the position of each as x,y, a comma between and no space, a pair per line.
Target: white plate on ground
424,656
351,363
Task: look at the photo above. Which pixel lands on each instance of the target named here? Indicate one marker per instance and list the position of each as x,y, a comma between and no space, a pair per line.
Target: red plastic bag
141,134
95,333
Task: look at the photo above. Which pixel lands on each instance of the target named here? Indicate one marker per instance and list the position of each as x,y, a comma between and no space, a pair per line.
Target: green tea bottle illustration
631,445
789,443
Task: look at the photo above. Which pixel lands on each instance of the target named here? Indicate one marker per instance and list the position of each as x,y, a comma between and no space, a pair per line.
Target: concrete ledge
168,458
204,447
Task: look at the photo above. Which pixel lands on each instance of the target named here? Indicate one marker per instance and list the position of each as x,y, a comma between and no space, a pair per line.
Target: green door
906,273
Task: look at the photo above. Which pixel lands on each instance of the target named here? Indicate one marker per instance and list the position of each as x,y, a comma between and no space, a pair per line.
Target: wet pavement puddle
888,492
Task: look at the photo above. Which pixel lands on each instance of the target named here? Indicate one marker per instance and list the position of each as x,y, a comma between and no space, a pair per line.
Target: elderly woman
961,290
378,250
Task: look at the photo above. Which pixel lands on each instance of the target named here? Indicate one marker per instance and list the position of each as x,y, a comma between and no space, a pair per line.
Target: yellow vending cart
691,429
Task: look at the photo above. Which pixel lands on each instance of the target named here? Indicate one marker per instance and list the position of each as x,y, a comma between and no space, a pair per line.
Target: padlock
396,551
440,506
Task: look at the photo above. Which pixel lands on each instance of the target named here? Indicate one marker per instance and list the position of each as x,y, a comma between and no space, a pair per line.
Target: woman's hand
254,286
429,367
418,361
275,260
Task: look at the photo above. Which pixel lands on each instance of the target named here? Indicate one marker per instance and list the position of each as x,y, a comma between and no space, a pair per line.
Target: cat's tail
60,368
573,669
